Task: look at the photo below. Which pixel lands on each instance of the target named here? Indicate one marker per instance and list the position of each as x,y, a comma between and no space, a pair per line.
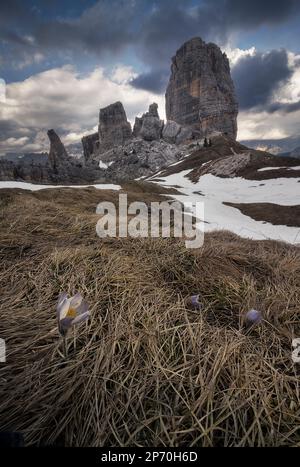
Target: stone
114,129
58,155
185,134
170,131
152,128
90,145
149,127
200,93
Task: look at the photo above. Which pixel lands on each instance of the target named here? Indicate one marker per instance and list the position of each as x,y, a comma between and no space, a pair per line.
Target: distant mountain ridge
289,146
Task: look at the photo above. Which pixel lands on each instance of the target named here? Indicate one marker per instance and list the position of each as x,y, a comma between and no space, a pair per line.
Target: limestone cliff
200,93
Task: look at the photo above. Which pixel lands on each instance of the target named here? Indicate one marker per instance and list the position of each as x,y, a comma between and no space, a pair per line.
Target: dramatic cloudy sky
60,61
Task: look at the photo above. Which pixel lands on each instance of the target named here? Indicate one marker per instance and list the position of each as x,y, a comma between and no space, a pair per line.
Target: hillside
249,192
146,369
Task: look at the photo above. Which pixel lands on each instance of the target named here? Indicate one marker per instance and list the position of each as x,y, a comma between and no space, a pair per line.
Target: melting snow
264,169
33,187
102,165
215,190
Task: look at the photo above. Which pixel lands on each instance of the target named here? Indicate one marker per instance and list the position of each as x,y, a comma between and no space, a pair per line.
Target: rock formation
171,131
58,155
176,134
114,129
137,158
90,145
200,101
200,93
149,126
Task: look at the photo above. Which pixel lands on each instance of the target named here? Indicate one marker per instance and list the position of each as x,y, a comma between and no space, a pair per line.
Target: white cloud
262,125
123,74
291,91
259,124
62,99
235,54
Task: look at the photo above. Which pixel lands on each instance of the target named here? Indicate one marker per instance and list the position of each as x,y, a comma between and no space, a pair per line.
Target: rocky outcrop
171,131
138,158
200,93
228,166
60,168
176,134
90,145
149,127
114,129
58,155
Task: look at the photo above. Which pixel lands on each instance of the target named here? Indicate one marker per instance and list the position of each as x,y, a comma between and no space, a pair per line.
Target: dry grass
146,370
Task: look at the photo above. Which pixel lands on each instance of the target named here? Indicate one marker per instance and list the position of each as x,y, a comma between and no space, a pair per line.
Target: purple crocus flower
195,302
253,317
71,311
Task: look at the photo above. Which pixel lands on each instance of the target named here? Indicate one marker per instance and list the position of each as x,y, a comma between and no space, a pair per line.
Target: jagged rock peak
200,93
90,145
114,129
149,126
58,155
153,110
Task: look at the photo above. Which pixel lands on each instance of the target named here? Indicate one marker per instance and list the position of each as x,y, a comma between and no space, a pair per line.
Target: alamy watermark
159,219
2,351
2,90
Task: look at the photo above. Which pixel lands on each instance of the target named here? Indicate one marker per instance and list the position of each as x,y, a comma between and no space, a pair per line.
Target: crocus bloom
253,317
71,311
195,302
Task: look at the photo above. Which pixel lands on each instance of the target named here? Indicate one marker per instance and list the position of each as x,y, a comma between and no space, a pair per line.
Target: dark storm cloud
9,128
154,81
257,77
170,24
283,107
154,29
248,14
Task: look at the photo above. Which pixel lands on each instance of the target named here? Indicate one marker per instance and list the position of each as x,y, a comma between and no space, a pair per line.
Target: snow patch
264,169
33,187
216,190
102,165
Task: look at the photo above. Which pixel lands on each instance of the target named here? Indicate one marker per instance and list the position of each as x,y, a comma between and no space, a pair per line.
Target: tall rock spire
200,93
58,155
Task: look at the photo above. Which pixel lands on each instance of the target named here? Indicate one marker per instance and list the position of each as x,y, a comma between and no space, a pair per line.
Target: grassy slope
146,370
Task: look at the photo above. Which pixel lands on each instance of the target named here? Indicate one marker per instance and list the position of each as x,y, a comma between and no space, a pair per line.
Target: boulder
149,127
170,131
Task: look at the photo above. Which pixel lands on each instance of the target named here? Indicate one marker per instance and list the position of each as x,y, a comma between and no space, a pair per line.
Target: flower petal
64,325
76,300
81,318
83,307
61,297
62,309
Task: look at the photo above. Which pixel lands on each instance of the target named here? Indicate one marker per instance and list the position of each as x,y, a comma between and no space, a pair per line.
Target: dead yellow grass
145,370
